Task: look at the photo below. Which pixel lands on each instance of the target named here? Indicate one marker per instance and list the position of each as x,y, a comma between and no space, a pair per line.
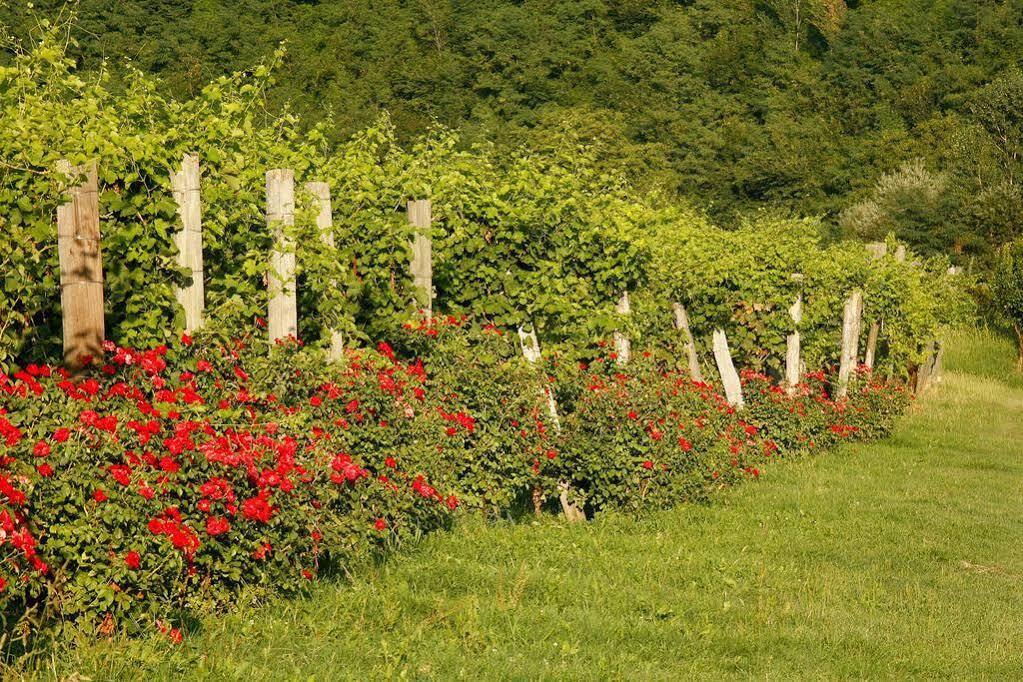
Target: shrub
176,476
169,480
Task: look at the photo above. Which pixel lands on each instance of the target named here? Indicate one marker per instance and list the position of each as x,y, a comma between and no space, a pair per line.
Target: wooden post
869,355
420,214
938,368
188,240
900,253
925,372
877,250
81,268
682,325
850,340
280,216
623,347
938,372
320,191
792,345
531,351
729,377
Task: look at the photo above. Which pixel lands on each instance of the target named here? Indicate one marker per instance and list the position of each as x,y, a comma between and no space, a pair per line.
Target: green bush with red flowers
174,477
644,435
170,480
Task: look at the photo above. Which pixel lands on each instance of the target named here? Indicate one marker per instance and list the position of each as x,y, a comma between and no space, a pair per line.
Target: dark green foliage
800,103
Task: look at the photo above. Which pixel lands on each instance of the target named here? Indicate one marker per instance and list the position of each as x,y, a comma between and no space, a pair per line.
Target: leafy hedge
539,237
171,480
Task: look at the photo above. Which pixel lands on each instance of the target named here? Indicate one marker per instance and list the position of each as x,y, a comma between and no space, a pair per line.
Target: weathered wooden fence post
420,214
81,268
280,216
682,325
531,351
623,347
926,369
320,192
850,340
933,369
877,250
938,368
938,373
188,240
792,358
729,377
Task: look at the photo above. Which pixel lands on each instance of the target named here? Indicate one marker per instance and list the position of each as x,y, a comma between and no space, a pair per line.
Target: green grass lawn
896,559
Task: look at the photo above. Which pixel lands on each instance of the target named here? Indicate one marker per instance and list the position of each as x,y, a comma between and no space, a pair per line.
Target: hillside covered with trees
883,115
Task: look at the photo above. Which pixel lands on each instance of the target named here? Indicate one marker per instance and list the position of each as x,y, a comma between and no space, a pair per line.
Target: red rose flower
216,525
45,470
380,524
257,509
99,496
121,473
133,560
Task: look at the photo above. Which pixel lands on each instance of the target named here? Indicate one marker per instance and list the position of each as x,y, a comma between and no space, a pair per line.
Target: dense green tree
804,105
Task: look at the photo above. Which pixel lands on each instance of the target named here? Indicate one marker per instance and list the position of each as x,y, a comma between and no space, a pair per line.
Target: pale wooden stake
420,214
877,250
900,253
81,268
924,373
188,240
792,345
531,351
682,325
280,216
939,355
623,347
938,371
729,377
851,318
320,191
869,355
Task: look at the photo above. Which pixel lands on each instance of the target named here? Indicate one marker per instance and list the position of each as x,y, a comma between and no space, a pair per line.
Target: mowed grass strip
895,559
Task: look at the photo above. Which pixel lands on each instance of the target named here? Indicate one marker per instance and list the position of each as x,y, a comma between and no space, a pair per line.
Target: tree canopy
882,115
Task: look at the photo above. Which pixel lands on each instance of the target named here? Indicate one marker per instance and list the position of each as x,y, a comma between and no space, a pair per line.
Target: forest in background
901,116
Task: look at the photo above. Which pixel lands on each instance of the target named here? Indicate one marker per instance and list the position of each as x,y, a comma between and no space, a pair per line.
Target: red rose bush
169,480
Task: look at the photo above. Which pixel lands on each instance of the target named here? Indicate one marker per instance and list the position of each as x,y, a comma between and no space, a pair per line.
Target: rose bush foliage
169,480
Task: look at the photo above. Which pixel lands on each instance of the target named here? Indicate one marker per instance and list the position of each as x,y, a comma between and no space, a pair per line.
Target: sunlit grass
895,559
985,352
